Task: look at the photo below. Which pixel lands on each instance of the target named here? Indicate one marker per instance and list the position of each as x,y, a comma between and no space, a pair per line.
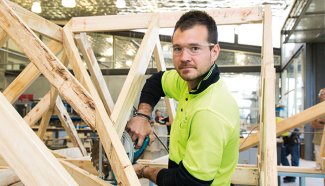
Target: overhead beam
141,21
32,161
37,23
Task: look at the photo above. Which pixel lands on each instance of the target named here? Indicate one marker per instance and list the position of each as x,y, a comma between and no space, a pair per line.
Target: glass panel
316,23
316,6
293,88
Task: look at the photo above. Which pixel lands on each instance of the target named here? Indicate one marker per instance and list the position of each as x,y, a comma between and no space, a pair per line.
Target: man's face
192,56
321,95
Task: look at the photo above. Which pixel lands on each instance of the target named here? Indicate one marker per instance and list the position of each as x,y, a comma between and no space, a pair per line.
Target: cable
160,141
248,136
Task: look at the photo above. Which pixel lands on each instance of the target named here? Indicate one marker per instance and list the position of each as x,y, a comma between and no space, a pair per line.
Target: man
204,139
318,125
291,145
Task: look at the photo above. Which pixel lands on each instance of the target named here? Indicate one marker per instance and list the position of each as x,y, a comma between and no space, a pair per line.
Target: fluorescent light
68,3
36,7
120,4
128,63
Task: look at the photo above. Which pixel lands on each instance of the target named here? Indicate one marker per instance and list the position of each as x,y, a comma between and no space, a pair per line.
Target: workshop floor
309,181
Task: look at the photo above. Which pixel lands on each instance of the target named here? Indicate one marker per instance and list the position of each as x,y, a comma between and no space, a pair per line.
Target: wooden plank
32,155
68,125
38,110
83,177
8,177
94,69
27,76
47,116
245,175
47,63
307,170
268,163
113,147
37,23
131,87
306,116
86,165
161,66
141,21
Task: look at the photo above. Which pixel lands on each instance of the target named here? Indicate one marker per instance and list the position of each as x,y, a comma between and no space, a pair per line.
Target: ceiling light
109,39
68,3
128,63
130,52
36,7
120,4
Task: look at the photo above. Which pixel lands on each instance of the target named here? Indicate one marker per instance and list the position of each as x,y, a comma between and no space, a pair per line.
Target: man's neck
193,84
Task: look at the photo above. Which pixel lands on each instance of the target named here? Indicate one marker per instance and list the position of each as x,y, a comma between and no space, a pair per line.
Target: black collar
210,77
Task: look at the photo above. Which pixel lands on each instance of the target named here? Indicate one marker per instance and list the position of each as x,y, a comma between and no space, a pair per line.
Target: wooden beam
245,175
48,114
68,125
84,164
27,76
94,69
32,161
37,23
268,163
8,177
53,97
47,63
38,110
307,170
134,80
83,177
288,124
161,66
141,21
113,147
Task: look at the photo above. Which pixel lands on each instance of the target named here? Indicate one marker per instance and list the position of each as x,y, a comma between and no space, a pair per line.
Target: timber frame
89,96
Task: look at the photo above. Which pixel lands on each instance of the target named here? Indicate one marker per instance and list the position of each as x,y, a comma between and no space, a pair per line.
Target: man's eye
195,49
177,49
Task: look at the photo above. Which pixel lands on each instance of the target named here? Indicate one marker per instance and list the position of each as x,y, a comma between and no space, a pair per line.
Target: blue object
140,151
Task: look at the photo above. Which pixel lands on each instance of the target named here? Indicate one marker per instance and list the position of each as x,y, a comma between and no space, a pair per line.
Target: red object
26,97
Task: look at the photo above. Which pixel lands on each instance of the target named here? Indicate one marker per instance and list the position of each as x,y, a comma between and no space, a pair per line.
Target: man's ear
215,52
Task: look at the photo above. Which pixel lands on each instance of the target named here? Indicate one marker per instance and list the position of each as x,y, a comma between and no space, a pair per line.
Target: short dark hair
196,17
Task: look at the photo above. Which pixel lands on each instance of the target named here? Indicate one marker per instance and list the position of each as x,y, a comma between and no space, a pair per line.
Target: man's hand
139,170
138,128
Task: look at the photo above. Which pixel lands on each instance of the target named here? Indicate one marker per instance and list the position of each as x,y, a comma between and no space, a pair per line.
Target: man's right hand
138,128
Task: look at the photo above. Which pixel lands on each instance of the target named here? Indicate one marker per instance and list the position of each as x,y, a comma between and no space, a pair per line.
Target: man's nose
185,55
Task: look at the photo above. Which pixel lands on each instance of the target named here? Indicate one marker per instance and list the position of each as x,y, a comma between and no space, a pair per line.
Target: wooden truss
24,151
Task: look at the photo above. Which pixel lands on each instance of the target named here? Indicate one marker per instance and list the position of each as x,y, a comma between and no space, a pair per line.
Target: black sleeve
152,90
179,176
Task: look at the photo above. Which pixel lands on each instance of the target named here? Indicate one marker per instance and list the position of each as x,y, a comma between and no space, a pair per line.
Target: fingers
140,141
152,138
